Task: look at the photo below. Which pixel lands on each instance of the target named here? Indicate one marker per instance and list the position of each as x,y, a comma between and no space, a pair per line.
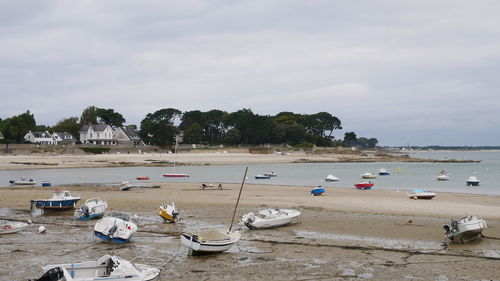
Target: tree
350,139
193,134
89,116
216,125
69,125
15,128
110,117
158,127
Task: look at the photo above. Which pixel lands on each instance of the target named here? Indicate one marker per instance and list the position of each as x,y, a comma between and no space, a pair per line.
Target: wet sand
344,235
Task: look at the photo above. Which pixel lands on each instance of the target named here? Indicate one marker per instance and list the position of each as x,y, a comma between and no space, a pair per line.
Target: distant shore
38,161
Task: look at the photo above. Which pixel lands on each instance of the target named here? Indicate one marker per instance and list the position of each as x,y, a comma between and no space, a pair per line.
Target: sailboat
213,241
176,175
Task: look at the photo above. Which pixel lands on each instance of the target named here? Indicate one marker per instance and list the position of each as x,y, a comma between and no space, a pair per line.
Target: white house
127,135
39,137
63,138
97,134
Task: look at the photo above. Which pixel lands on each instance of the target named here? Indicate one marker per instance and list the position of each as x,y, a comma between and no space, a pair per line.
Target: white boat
168,212
465,229
106,268
443,176
368,176
7,227
118,228
331,178
269,218
22,181
61,200
472,181
93,208
421,194
383,172
270,174
209,241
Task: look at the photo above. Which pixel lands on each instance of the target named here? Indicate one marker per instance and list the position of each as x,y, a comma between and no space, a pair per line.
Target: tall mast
237,201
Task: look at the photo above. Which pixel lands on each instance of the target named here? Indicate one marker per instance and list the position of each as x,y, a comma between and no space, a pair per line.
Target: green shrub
95,150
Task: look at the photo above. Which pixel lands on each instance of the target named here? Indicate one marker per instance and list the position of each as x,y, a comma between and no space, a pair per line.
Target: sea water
404,175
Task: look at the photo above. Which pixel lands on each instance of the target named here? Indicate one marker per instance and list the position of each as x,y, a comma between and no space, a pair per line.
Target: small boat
317,191
126,186
443,176
262,177
22,181
383,172
118,228
61,200
331,178
93,208
270,174
168,212
142,178
472,181
209,241
269,218
12,227
46,183
364,185
368,176
106,268
465,229
421,194
176,175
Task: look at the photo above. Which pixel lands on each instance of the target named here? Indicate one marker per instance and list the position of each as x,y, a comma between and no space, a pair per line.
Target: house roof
95,128
65,136
38,134
130,132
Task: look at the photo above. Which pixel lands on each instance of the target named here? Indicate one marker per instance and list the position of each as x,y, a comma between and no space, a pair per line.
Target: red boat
171,175
364,185
143,178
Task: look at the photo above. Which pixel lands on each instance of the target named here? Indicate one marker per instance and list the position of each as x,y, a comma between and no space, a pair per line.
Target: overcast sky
405,72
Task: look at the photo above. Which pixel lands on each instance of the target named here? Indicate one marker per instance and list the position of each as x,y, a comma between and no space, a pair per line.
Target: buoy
41,229
410,221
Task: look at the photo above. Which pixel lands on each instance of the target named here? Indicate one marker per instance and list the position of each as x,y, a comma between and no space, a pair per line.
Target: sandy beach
344,235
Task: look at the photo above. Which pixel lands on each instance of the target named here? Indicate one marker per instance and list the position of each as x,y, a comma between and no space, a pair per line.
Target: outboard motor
85,210
112,230
54,274
446,229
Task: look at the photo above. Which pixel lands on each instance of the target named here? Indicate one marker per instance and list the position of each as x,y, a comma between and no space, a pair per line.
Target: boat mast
239,195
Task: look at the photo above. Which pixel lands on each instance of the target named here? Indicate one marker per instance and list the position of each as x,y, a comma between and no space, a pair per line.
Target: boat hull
472,183
317,191
262,177
12,227
364,186
55,204
107,238
91,217
210,246
176,175
270,219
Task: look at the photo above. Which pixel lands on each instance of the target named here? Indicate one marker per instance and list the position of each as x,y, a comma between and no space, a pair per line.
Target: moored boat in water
368,176
22,181
331,178
443,176
383,172
465,229
472,181
262,177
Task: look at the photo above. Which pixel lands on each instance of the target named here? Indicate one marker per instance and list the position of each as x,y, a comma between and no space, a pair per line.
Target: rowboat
364,185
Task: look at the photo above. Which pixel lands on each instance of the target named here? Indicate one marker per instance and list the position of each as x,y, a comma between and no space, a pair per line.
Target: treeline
214,127
439,147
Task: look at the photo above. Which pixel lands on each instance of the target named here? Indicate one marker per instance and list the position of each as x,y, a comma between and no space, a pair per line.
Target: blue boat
261,177
61,200
317,191
46,183
383,172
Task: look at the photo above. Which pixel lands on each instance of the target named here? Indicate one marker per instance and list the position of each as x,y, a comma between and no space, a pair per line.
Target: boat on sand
168,212
61,200
364,185
93,208
7,227
117,227
269,218
421,194
317,191
465,229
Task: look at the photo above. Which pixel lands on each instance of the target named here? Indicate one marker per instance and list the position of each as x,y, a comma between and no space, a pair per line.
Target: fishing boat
270,174
105,268
22,181
168,212
421,194
364,185
174,174
443,176
472,181
317,191
142,178
465,229
118,228
7,227
368,176
331,178
61,200
262,177
93,208
383,172
212,241
269,218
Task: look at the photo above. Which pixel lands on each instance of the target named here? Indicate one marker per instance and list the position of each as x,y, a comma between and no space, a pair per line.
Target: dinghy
93,208
269,218
168,213
61,200
106,268
465,229
118,228
7,227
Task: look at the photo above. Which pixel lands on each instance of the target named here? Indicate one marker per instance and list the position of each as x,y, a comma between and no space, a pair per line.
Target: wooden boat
22,181
12,227
142,178
93,208
270,174
364,185
213,241
472,181
168,213
331,178
368,176
383,172
106,268
443,176
118,228
61,200
465,229
269,218
262,177
421,194
317,191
